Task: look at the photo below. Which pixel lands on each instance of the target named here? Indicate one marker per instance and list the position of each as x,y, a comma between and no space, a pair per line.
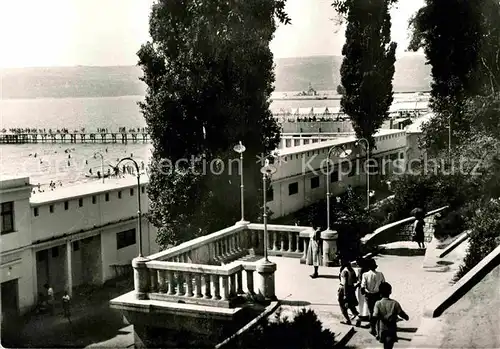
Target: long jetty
33,136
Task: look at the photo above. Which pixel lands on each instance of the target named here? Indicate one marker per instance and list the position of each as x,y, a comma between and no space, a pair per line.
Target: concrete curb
461,238
445,299
271,308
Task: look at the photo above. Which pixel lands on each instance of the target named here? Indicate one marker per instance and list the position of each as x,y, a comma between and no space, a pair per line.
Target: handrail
197,242
279,227
367,238
227,269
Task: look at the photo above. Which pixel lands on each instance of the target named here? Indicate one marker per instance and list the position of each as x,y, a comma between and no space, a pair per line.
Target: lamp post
102,164
267,171
343,154
240,148
367,170
449,136
139,212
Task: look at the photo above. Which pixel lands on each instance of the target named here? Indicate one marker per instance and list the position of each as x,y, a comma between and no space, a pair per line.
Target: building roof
332,142
84,189
416,126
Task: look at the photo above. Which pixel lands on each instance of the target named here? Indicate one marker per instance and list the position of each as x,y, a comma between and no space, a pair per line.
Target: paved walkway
92,321
412,286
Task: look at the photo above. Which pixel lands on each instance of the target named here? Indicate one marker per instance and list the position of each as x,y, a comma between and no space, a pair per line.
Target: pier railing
75,137
216,269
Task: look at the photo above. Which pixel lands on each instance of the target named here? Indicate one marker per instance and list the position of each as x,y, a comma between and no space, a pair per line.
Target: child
386,313
65,304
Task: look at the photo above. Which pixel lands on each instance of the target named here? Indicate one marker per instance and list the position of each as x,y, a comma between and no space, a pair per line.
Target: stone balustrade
284,240
217,286
214,249
216,269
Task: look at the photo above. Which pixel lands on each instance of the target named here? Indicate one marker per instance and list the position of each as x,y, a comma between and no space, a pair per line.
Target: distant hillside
292,74
323,72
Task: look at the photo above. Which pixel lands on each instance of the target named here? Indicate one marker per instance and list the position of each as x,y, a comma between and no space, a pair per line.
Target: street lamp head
268,169
239,148
345,153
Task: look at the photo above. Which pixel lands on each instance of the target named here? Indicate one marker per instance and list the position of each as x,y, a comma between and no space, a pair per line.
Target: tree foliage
461,40
484,236
209,75
368,66
303,331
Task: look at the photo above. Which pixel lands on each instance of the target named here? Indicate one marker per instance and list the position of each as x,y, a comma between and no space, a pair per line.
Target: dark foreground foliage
303,331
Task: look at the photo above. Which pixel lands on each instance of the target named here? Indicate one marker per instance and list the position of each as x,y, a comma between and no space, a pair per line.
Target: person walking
363,305
50,298
370,284
347,292
65,303
314,251
386,312
418,231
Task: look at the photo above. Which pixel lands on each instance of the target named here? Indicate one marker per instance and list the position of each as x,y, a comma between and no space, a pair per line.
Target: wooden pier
74,138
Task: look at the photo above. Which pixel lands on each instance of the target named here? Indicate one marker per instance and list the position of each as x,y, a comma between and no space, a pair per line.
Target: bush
484,236
304,331
429,191
450,225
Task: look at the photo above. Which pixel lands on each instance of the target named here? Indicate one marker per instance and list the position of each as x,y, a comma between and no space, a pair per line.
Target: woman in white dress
364,313
314,251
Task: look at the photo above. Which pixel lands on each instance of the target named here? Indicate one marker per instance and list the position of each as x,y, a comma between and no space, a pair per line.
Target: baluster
208,287
282,241
240,243
261,240
290,241
180,284
225,288
306,243
162,281
297,243
232,285
250,281
171,282
232,243
216,285
216,250
239,277
154,280
197,281
236,242
274,234
221,248
189,285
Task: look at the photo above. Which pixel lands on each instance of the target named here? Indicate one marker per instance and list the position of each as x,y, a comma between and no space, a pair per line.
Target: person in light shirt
370,284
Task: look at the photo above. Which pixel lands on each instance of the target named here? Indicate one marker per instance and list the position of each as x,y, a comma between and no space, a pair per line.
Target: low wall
444,300
396,231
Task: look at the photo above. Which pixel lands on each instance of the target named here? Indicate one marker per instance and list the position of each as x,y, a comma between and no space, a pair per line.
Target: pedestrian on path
386,313
347,292
66,306
370,288
363,305
314,251
50,298
418,232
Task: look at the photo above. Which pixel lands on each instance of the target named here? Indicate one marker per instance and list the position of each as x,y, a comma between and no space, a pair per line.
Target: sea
107,97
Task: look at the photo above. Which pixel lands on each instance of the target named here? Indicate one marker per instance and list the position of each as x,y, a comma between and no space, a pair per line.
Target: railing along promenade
24,136
216,269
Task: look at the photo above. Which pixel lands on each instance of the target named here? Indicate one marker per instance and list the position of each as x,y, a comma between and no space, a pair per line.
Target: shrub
303,331
449,225
484,236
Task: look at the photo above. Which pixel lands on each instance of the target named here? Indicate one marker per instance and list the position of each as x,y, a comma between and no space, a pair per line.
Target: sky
35,33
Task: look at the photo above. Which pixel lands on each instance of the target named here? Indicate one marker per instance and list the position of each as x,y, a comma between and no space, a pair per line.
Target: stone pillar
329,238
264,281
141,277
69,269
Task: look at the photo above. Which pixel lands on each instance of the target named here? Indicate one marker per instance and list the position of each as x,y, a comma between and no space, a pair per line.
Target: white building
74,235
301,171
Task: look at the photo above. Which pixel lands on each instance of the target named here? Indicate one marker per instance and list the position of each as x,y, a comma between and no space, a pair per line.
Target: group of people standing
364,293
